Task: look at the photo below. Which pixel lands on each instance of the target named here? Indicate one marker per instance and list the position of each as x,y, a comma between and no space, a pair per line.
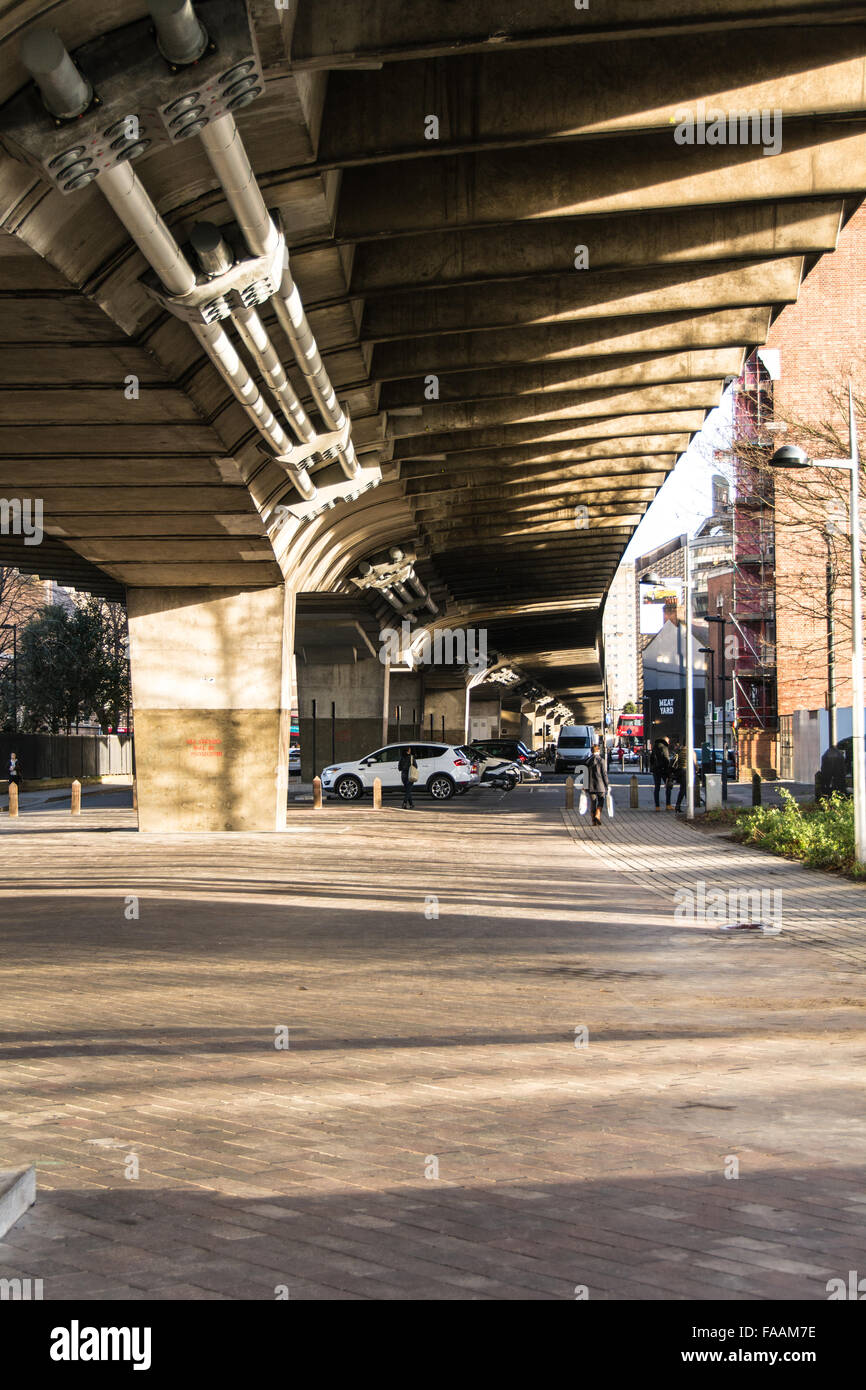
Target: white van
574,748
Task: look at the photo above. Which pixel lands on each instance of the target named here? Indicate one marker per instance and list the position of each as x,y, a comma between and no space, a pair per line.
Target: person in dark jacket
660,767
833,771
404,767
596,782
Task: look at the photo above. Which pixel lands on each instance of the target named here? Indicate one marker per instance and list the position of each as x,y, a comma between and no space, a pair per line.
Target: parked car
443,769
294,760
511,749
528,773
574,746
715,763
847,747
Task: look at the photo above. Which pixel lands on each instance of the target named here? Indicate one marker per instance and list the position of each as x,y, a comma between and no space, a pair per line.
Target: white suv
442,771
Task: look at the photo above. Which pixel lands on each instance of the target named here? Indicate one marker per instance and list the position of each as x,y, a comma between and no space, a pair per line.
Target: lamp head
790,456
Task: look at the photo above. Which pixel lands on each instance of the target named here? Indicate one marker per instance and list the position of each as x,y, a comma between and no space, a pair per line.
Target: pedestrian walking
408,770
597,784
660,767
14,770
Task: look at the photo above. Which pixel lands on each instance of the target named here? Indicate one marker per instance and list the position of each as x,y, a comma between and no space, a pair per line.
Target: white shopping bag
582,804
609,803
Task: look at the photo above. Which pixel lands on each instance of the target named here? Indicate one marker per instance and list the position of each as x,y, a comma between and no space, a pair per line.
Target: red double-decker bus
629,727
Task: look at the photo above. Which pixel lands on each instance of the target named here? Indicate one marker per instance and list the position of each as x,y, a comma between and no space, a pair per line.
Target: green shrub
821,835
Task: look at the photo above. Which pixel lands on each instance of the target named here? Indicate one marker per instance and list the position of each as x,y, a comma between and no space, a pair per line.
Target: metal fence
59,755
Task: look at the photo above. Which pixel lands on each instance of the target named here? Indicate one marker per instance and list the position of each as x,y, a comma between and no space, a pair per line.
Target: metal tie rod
130,200
225,150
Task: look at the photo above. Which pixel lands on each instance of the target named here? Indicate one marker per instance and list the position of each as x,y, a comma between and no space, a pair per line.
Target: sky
685,498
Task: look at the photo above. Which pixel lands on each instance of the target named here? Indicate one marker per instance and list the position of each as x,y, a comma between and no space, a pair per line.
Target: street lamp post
690,691
721,623
790,456
831,530
708,651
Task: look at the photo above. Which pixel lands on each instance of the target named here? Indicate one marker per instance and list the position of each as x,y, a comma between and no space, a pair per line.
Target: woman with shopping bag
597,784
408,770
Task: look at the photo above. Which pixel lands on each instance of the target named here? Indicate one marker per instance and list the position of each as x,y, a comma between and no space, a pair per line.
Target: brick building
791,570
821,343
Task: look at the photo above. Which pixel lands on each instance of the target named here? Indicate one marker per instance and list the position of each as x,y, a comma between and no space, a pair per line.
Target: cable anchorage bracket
251,281
323,449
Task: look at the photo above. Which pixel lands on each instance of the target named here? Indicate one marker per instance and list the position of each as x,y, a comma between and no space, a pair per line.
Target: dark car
510,749
712,760
847,747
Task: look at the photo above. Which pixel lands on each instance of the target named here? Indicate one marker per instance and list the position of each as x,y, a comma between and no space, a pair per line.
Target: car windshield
574,741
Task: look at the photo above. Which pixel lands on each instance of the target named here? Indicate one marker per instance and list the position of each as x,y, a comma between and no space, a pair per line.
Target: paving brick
414,1040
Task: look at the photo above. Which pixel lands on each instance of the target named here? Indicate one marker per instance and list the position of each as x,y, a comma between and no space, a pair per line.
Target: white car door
384,766
427,756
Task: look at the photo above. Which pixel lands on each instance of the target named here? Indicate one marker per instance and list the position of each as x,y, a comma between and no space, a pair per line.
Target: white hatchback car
442,771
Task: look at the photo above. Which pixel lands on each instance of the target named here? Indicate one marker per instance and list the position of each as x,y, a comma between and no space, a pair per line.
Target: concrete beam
582,295
747,231
603,448
596,177
551,433
519,97
558,497
651,333
340,33
419,479
591,378
565,406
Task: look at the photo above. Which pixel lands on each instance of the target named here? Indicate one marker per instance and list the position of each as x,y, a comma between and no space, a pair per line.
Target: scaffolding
754,553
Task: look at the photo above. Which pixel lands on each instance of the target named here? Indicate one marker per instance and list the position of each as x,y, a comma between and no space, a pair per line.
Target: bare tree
809,508
21,595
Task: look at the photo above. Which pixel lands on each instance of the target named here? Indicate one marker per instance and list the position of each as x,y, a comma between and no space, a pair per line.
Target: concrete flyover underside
525,289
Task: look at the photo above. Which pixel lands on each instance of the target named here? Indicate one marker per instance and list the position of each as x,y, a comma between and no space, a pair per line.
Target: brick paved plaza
431,1131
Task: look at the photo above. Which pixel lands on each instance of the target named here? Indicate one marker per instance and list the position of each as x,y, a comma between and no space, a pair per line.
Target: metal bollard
317,793
633,793
135,794
569,793
75,804
377,793
756,788
13,798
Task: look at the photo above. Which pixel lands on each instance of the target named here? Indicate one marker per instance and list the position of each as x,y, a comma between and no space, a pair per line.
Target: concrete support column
407,696
527,725
351,695
450,702
211,690
484,716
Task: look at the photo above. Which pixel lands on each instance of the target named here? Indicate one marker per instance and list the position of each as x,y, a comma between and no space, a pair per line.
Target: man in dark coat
596,782
660,767
406,763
